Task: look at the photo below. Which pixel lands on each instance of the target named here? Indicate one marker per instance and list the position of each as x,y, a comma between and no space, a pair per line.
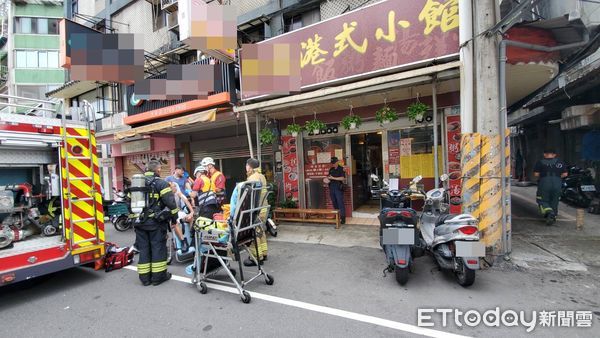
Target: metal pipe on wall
258,143
465,13
435,133
248,134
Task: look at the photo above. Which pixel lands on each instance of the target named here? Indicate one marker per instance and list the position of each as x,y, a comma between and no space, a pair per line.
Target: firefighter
217,179
160,212
550,171
254,175
202,194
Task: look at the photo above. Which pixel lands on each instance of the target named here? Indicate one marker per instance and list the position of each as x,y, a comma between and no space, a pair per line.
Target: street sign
106,162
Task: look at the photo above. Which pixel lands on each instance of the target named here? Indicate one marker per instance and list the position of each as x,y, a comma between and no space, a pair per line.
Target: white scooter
453,240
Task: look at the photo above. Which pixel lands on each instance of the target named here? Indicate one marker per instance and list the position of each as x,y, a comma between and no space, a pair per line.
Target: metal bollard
580,214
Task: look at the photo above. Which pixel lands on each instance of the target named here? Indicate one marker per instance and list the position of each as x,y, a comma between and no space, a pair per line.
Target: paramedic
217,179
151,228
254,175
202,195
550,171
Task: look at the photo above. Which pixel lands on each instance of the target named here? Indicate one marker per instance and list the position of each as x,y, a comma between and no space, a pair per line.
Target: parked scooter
578,187
398,231
123,218
453,240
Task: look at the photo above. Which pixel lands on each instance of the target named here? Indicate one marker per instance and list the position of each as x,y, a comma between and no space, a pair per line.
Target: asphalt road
319,291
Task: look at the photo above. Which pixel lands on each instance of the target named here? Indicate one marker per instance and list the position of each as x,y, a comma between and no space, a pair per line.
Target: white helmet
200,168
206,161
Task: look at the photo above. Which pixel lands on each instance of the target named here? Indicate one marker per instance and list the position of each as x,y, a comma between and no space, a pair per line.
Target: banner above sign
371,40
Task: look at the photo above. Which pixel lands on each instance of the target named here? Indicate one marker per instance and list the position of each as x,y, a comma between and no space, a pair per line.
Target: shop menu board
290,167
453,142
394,153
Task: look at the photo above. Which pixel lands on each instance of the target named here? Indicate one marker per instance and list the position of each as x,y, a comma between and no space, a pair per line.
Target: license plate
469,249
397,236
588,188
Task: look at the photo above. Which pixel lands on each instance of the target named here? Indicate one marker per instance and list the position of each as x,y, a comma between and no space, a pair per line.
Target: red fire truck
51,215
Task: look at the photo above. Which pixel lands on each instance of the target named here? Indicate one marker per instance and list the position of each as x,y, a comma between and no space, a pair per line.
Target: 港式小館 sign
377,38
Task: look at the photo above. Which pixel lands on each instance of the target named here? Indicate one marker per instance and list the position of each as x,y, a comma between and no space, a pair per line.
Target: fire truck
51,215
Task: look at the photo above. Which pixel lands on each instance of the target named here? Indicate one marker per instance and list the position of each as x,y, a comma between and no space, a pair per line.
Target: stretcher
218,244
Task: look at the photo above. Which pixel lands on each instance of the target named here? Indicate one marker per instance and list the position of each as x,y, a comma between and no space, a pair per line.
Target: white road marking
326,310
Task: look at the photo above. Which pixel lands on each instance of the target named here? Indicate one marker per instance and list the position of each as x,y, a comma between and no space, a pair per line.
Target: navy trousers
337,198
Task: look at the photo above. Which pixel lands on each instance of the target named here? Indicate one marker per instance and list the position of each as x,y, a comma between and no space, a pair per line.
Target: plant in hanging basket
416,111
267,136
315,126
351,122
386,114
294,129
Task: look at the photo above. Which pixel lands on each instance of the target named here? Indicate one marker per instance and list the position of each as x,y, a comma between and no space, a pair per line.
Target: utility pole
482,153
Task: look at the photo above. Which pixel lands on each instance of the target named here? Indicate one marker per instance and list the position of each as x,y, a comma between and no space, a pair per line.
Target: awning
73,88
164,126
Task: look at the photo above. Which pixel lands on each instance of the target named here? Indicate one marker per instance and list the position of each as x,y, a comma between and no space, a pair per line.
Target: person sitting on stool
336,180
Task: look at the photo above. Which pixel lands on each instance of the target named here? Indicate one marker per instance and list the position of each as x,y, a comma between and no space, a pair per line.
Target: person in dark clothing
336,179
152,225
549,171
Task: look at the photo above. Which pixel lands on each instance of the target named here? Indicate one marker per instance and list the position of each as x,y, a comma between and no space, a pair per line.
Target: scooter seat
444,218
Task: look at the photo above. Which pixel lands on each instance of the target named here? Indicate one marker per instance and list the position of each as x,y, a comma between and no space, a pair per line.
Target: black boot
164,279
185,246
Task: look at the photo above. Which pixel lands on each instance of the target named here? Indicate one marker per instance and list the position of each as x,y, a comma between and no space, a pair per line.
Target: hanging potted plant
267,136
315,126
386,114
416,111
351,122
294,129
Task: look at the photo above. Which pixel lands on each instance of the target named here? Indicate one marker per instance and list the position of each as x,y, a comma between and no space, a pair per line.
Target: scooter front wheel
465,276
402,275
122,223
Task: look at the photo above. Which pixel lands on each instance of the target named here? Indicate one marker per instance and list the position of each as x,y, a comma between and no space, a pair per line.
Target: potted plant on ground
351,122
315,126
267,136
386,114
294,129
416,111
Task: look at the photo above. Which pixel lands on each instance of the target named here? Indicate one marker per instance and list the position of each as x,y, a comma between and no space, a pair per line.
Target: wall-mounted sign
330,129
106,162
136,146
373,39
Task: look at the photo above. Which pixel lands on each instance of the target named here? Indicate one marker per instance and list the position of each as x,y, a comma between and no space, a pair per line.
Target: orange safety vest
206,184
213,180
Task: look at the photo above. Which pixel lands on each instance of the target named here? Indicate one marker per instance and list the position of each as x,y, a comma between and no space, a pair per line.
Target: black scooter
398,233
578,187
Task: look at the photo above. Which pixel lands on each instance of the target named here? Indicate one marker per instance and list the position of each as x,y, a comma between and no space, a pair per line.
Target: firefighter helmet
206,161
200,169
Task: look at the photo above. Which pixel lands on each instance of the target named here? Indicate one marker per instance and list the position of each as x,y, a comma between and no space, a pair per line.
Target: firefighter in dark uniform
336,179
151,229
550,171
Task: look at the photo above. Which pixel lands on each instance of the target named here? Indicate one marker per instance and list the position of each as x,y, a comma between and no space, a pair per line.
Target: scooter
453,240
398,231
123,218
578,187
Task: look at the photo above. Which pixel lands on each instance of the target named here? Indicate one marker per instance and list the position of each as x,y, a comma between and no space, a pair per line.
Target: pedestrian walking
550,170
336,180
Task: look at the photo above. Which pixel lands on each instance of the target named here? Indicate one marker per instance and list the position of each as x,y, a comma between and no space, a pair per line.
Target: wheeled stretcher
218,245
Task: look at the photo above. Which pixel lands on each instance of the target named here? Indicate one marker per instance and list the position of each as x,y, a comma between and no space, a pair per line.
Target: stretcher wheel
202,288
246,297
269,279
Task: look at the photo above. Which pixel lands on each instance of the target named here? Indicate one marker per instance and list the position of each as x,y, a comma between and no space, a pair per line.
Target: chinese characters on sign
290,167
378,37
453,142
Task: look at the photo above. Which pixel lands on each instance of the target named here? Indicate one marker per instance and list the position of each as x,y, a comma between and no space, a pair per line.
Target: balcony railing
168,5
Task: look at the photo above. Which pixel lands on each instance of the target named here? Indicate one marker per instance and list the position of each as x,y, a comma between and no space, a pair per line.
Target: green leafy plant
348,120
386,114
294,128
313,125
415,110
267,136
289,203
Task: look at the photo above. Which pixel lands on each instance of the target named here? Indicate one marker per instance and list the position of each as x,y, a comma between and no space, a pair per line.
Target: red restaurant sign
374,39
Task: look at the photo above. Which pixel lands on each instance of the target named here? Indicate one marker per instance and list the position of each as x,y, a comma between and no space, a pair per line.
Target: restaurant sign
374,39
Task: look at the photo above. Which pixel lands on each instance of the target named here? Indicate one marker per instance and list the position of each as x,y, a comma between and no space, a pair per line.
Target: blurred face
179,172
549,155
159,170
248,168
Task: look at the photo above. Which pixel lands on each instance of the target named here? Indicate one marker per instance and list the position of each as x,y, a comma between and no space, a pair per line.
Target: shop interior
366,161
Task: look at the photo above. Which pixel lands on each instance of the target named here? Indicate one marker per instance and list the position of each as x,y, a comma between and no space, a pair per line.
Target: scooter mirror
444,177
417,179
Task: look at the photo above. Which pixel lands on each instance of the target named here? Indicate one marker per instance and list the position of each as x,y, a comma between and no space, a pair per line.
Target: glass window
32,59
21,59
43,59
42,26
52,26
53,60
25,25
